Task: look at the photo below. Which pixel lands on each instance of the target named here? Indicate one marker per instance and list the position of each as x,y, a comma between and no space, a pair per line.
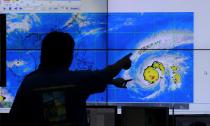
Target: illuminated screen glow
162,60
24,35
158,75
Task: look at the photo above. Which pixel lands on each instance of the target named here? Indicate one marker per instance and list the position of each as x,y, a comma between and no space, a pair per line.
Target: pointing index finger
129,80
128,55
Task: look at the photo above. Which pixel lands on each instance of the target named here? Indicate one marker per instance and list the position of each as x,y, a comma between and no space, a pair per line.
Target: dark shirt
27,109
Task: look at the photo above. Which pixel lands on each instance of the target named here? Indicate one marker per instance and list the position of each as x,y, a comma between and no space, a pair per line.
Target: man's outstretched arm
96,81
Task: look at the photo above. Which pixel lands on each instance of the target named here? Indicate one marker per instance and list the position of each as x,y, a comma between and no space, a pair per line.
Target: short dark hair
57,49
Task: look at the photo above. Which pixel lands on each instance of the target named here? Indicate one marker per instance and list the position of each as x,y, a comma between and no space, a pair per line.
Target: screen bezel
126,108
3,49
189,118
104,107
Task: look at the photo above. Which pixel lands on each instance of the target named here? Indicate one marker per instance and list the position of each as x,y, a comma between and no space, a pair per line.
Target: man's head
57,50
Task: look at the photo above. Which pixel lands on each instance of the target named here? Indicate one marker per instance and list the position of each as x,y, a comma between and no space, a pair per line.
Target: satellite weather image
161,44
24,35
162,60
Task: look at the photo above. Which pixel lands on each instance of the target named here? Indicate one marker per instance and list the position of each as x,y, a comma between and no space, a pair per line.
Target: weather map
24,35
161,45
25,31
21,63
162,56
163,30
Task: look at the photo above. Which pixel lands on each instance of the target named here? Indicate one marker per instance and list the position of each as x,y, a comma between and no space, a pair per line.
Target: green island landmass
176,76
160,66
2,98
174,68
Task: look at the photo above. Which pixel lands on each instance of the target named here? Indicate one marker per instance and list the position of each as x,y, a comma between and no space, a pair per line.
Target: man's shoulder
30,77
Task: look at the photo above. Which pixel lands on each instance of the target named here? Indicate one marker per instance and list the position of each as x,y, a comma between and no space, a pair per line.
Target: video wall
160,73
169,43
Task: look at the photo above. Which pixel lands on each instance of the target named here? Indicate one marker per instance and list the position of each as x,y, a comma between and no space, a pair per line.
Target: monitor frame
104,107
197,117
125,114
3,49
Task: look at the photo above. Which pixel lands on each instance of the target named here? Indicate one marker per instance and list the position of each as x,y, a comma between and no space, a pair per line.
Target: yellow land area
174,68
151,75
2,98
160,66
177,78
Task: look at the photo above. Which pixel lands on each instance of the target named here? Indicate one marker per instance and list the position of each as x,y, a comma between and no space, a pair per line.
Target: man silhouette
56,58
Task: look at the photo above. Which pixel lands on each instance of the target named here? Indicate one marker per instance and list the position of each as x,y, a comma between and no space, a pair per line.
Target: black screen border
3,49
